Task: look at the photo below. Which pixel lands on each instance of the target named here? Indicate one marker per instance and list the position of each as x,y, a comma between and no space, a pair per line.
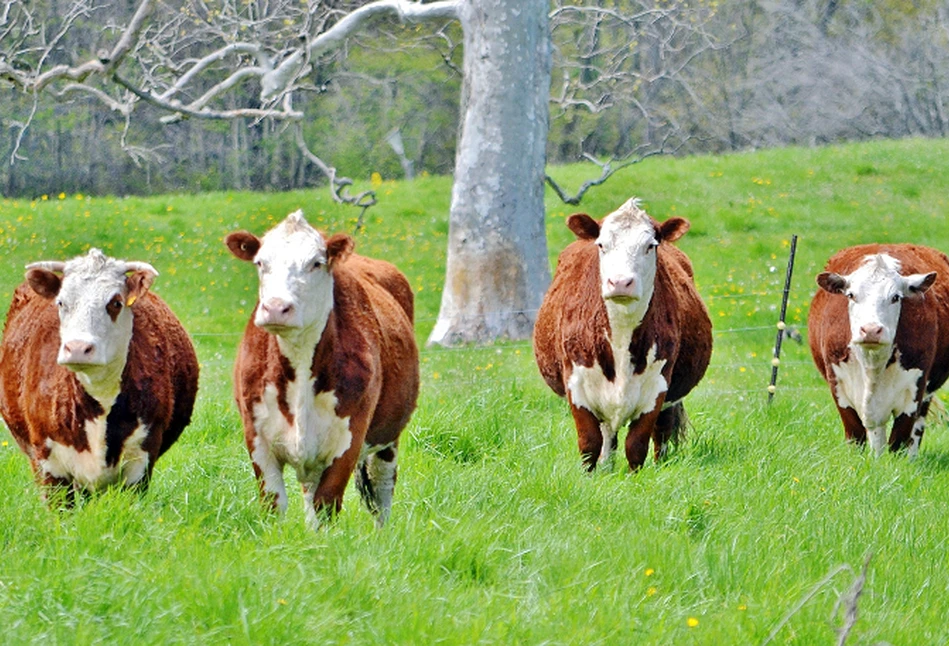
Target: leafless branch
339,186
22,128
807,597
607,170
848,602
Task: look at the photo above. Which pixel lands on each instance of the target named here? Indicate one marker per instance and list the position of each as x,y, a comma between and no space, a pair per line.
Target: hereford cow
326,375
97,376
622,332
894,354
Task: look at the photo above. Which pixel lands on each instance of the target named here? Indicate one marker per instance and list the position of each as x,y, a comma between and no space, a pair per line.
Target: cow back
373,316
572,326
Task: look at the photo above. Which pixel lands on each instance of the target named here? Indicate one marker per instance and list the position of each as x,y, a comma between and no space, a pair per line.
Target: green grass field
496,535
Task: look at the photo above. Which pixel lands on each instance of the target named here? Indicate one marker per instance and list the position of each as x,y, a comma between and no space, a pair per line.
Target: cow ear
919,283
672,229
137,284
583,226
44,282
243,245
831,282
338,248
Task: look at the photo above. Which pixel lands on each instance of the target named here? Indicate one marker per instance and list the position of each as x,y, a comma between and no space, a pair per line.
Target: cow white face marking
296,287
628,241
94,297
294,266
627,245
875,292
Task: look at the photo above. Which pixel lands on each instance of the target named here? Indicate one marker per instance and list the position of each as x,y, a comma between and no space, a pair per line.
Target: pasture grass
496,535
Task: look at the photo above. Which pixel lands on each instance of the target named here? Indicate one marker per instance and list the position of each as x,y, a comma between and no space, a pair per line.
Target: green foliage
496,534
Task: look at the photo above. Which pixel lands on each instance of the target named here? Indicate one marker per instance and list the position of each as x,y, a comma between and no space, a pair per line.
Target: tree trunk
497,269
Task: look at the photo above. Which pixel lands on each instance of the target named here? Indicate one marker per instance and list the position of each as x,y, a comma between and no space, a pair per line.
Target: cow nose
276,311
871,333
620,286
77,352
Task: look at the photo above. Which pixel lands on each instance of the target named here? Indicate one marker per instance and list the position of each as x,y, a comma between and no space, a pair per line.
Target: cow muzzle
871,335
277,314
78,353
622,289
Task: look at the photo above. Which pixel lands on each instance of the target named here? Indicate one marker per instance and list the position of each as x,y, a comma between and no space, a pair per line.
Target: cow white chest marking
876,394
627,396
316,437
88,469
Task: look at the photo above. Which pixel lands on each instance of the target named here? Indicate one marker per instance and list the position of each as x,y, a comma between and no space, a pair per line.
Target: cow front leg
637,440
323,491
269,473
876,434
589,436
903,433
854,430
375,480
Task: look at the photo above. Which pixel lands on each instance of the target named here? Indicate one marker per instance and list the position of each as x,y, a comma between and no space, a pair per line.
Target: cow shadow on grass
934,461
707,450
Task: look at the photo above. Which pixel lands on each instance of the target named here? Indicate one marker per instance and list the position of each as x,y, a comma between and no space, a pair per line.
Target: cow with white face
622,333
93,299
893,354
326,376
98,376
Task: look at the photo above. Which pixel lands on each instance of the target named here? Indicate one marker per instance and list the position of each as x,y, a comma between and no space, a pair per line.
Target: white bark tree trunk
497,268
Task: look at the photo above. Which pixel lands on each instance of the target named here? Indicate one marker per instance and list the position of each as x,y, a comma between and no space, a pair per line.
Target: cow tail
680,424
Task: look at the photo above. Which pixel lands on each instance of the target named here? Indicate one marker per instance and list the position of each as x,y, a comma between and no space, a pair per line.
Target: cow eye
60,304
114,306
652,245
850,296
316,264
896,298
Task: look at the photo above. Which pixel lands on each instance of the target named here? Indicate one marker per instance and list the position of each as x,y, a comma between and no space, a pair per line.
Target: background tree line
628,81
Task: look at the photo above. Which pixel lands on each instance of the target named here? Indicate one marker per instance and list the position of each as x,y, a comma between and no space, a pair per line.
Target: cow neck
104,383
299,347
873,362
625,319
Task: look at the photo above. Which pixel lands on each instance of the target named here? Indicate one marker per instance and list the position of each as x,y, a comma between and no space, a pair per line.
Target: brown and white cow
622,332
97,376
327,373
879,334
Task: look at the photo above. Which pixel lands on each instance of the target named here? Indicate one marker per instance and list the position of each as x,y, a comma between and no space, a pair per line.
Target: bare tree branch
339,185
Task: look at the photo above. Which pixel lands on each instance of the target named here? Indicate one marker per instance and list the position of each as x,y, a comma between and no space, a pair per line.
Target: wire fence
757,385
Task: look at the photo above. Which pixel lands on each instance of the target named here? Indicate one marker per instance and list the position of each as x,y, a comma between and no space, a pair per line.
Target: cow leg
919,427
877,436
902,433
589,436
323,494
637,440
668,427
269,473
605,461
58,492
854,430
375,481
